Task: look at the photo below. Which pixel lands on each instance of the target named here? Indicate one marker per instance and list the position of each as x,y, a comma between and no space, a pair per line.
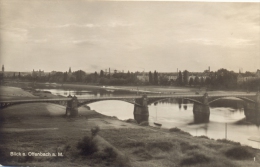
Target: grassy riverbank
44,128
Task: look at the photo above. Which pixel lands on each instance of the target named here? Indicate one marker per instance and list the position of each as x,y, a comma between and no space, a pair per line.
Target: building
207,71
143,77
243,79
38,73
172,77
257,73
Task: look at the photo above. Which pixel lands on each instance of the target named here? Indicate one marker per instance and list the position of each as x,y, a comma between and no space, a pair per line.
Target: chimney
209,68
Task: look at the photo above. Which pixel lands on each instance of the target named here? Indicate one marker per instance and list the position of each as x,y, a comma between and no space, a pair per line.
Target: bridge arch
161,99
9,104
241,98
93,101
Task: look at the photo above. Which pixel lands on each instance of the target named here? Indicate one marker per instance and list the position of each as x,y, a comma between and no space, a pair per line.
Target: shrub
131,121
144,123
26,159
174,130
87,146
185,146
143,154
135,144
203,137
110,152
195,158
94,131
239,153
229,142
179,131
162,145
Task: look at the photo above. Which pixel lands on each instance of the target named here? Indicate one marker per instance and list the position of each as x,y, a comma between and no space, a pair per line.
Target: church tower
70,71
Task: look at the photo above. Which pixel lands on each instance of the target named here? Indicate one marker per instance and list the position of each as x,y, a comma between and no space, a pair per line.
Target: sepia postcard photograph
116,83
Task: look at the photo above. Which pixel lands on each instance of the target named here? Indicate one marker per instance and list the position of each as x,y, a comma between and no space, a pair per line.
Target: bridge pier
252,110
72,106
141,112
201,112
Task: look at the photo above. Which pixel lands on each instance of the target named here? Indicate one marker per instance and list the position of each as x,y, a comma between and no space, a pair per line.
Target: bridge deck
129,97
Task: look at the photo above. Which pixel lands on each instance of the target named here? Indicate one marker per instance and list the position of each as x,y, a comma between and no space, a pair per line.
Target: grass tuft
162,145
95,130
144,123
185,146
177,130
239,153
87,146
195,158
203,137
229,142
142,154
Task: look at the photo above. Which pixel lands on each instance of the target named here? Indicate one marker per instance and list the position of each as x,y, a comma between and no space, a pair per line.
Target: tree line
221,79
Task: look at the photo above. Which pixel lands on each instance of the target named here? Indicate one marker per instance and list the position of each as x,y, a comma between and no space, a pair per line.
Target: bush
185,146
179,131
131,121
195,158
239,153
162,145
174,130
144,123
229,142
87,146
135,144
94,131
143,154
203,137
110,152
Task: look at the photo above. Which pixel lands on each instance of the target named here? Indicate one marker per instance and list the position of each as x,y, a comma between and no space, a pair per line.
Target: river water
226,118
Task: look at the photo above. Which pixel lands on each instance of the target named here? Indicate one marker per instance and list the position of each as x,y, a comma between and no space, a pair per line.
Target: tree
155,76
128,75
196,80
163,80
185,77
101,73
201,81
95,76
180,78
65,76
207,81
191,81
150,77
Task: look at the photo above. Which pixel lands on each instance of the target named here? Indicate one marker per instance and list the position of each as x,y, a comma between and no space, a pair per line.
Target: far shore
140,89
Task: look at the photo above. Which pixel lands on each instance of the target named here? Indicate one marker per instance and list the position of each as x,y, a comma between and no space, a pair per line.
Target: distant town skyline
135,36
125,71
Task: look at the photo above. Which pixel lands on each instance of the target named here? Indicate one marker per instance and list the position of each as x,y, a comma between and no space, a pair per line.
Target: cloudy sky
135,36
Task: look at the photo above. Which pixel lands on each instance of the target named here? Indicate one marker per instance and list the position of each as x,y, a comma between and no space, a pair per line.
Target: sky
135,36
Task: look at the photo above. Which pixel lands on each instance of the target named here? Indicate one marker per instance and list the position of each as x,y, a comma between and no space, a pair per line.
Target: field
42,127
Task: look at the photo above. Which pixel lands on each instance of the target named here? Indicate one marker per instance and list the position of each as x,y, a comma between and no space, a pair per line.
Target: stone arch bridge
201,108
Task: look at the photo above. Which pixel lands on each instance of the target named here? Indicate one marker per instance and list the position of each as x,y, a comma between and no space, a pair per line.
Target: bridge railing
133,97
